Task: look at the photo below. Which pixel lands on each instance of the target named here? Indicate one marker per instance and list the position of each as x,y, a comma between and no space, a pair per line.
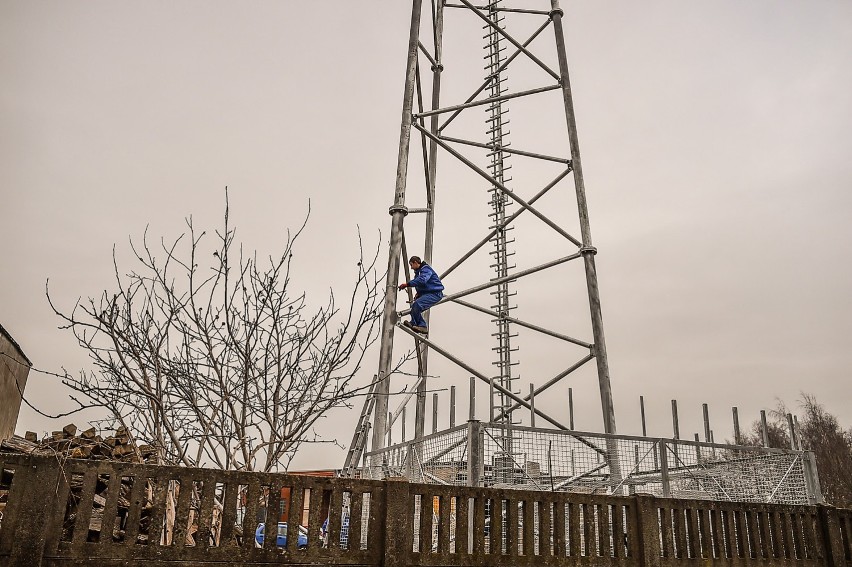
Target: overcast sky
715,138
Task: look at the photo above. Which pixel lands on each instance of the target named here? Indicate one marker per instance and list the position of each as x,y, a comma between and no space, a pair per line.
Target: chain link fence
526,458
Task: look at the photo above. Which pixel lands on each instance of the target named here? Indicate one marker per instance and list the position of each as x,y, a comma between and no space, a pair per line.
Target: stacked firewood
87,445
120,447
90,445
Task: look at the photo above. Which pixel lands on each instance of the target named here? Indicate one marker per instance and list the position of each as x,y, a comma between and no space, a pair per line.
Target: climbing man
429,292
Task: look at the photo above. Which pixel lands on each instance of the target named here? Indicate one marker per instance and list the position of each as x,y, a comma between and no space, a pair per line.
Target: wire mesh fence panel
527,458
734,474
439,458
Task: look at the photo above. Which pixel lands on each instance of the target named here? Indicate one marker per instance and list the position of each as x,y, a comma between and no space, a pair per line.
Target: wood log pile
88,444
118,447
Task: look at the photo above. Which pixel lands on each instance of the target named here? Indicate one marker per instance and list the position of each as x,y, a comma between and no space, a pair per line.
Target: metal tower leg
587,250
398,212
432,170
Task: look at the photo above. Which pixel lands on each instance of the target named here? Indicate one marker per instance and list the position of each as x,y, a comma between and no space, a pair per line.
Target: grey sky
715,138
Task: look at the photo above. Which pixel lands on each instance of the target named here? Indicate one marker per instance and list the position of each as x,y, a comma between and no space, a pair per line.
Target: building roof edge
15,344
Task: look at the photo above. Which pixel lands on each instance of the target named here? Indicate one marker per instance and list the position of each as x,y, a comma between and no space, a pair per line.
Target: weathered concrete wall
14,369
106,514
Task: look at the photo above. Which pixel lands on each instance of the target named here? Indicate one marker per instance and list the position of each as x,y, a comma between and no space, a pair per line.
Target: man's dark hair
415,259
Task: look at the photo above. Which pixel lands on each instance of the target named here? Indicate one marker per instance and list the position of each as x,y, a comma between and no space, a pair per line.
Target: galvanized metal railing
475,454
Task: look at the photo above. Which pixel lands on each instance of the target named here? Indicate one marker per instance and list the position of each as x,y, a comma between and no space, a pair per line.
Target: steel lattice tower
431,126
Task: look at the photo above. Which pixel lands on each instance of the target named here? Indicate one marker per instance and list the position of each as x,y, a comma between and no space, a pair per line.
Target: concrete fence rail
73,512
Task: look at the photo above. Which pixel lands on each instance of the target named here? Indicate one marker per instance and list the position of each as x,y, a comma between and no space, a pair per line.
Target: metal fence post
736,416
833,544
475,450
664,470
452,406
812,478
794,442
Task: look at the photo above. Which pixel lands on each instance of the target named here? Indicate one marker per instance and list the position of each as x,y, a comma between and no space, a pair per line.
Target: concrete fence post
664,470
647,531
832,539
397,525
38,515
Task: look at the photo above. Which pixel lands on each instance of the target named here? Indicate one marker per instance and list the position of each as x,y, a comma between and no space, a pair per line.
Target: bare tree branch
219,362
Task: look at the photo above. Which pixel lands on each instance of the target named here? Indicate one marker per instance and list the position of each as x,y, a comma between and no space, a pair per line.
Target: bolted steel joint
588,250
437,68
557,11
398,209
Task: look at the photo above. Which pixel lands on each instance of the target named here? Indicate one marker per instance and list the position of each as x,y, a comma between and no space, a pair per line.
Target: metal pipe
675,424
431,176
452,406
397,212
366,440
812,477
476,460
422,351
697,448
425,52
517,10
792,429
550,383
642,411
443,352
514,215
706,412
491,400
521,323
435,412
472,398
484,101
532,405
571,409
420,388
737,437
498,185
423,141
511,39
506,149
395,415
402,436
664,470
487,81
498,281
764,429
601,358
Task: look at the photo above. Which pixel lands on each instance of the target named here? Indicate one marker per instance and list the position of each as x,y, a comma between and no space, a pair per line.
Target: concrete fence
73,512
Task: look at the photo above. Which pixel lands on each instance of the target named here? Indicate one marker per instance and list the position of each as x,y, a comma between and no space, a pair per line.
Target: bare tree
205,352
832,446
820,432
